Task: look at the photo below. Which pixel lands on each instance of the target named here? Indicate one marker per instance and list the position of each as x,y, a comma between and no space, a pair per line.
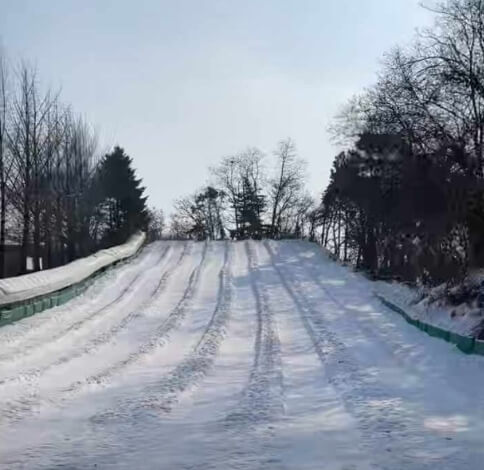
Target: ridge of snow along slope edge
466,344
29,286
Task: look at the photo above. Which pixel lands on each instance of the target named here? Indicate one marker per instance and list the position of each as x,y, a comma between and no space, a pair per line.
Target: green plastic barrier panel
29,309
479,347
46,303
5,317
38,304
414,322
60,298
68,295
464,343
12,314
54,300
437,332
63,298
18,312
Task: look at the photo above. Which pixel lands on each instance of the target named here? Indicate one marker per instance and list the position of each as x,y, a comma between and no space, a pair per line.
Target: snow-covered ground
234,355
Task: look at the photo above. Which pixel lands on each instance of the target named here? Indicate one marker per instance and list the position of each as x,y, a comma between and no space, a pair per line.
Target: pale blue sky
181,83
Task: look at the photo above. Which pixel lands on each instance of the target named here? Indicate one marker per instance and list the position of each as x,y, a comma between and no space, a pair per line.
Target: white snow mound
15,289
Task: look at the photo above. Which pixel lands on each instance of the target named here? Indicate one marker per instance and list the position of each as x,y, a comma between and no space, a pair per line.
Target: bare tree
179,229
21,149
188,219
301,216
201,214
235,174
286,185
156,224
48,204
52,155
79,156
27,141
227,176
3,159
453,55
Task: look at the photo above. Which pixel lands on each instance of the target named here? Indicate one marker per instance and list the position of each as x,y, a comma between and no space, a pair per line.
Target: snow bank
15,289
463,319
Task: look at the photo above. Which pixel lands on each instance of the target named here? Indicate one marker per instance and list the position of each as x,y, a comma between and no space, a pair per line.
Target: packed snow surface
234,355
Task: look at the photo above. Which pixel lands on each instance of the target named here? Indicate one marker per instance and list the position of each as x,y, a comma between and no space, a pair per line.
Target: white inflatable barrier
29,286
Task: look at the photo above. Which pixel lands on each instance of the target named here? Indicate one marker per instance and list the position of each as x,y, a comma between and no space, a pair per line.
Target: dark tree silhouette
119,199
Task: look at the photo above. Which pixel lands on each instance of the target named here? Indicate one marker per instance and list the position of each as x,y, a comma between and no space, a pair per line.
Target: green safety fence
466,344
23,309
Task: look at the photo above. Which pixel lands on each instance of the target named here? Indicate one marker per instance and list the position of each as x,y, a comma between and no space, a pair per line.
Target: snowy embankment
29,286
433,306
456,310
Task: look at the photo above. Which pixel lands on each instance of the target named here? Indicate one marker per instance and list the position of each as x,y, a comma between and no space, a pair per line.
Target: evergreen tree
251,205
119,198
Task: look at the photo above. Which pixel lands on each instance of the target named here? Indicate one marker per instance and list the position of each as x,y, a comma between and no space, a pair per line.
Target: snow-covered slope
25,287
234,355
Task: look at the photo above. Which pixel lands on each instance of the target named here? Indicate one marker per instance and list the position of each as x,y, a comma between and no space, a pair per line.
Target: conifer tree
251,206
119,198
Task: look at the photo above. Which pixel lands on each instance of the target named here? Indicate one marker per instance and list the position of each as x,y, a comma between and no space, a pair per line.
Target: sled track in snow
161,335
19,352
20,331
381,426
262,399
24,404
248,355
163,395
103,338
